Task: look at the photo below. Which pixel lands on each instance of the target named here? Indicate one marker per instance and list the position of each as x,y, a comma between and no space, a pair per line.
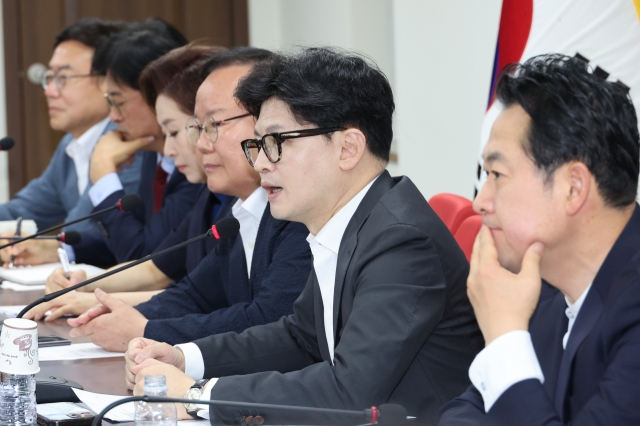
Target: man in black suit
559,204
384,316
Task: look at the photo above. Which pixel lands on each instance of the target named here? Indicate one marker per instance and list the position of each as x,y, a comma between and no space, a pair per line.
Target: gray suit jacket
53,197
405,330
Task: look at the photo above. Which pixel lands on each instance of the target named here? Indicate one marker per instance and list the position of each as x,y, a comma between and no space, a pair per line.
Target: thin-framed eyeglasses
59,79
271,143
210,128
113,104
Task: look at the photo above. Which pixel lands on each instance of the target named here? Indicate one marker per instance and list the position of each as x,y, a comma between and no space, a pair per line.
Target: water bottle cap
155,383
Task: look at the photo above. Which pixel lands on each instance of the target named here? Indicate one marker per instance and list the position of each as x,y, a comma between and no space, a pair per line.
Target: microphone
6,143
35,72
72,237
385,415
127,203
224,228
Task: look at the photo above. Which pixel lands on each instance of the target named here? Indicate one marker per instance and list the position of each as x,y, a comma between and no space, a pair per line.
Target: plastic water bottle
155,413
17,399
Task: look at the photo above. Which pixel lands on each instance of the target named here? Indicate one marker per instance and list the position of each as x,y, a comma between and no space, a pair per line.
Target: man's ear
579,181
352,147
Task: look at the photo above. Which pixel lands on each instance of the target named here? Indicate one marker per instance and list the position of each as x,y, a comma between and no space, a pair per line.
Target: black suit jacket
405,331
594,381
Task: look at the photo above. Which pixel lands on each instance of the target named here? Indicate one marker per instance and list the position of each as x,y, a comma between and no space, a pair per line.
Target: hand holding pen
64,260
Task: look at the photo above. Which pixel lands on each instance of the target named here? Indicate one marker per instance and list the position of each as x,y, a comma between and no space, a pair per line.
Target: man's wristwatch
195,392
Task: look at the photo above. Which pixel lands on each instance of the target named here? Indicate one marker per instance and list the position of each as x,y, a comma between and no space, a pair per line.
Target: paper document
28,226
122,413
75,351
9,285
34,275
13,310
98,402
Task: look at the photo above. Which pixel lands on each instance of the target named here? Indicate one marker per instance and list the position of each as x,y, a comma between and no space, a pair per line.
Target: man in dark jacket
253,278
559,204
384,316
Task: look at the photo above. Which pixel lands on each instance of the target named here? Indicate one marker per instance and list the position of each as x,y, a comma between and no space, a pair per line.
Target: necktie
159,185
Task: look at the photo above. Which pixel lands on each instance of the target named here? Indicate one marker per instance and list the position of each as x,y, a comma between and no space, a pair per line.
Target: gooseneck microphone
385,415
127,203
6,143
71,237
224,228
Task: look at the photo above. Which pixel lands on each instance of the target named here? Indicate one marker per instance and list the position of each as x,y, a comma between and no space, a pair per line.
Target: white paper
34,275
75,351
13,310
98,402
122,413
28,226
10,285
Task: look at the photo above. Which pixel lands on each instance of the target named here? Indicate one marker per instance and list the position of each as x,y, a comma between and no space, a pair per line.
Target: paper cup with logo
19,347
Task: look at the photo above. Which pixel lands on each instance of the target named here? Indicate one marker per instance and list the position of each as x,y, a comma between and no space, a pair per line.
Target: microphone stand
55,228
55,294
358,417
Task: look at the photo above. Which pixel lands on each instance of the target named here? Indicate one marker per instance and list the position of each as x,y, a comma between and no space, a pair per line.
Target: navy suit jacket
124,236
595,380
207,210
218,296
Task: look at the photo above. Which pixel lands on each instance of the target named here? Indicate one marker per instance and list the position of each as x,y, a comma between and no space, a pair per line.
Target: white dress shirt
511,358
110,183
80,152
249,213
324,247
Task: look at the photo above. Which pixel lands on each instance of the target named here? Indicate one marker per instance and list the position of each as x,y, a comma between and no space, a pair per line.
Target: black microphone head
6,143
129,202
391,415
72,238
225,228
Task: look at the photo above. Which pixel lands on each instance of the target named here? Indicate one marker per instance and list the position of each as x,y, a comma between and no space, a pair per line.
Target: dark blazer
207,210
127,236
595,380
218,296
405,330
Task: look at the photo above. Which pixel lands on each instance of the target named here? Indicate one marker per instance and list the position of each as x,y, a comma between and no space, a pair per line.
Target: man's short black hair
576,116
92,32
239,55
327,88
126,54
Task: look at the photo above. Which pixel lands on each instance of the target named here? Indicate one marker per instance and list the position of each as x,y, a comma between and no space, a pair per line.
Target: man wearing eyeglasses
167,197
75,106
384,316
253,278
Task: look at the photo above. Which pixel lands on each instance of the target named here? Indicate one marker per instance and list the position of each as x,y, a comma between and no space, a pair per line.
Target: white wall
4,165
444,53
437,54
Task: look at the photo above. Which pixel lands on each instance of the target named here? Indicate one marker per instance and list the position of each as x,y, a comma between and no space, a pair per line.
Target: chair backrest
466,234
452,209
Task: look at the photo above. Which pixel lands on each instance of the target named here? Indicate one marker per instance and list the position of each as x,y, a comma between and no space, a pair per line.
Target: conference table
101,375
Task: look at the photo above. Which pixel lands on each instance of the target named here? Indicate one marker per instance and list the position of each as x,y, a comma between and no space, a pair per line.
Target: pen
17,234
64,259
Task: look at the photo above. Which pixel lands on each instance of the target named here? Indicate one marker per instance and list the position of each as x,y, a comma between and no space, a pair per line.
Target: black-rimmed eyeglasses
271,143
